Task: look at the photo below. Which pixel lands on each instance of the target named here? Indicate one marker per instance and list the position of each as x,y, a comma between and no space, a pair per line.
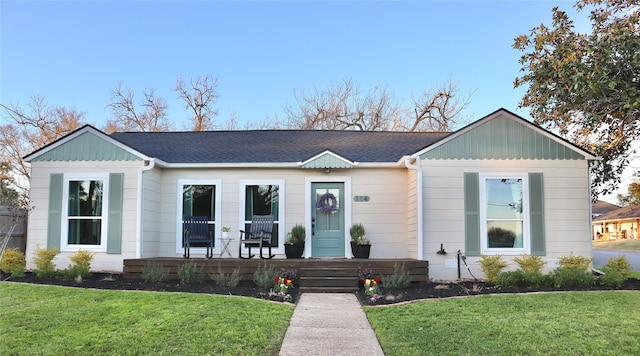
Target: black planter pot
294,251
360,251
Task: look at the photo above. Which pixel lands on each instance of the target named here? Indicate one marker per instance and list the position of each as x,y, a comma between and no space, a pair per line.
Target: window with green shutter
504,213
78,215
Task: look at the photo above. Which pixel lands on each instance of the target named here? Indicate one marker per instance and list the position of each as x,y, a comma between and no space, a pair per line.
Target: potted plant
225,232
294,246
360,245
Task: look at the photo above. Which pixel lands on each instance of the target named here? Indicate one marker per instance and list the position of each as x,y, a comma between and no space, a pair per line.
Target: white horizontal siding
39,195
567,207
384,215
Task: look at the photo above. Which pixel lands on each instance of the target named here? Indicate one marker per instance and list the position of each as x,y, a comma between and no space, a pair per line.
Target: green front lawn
632,245
49,320
576,323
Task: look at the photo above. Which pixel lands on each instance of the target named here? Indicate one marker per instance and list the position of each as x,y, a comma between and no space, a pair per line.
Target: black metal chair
259,235
196,234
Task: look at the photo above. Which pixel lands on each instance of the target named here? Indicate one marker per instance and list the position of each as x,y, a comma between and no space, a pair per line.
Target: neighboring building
601,207
621,223
500,185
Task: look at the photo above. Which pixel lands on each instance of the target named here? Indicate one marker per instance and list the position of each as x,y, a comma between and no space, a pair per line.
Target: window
525,219
504,211
198,198
84,209
263,198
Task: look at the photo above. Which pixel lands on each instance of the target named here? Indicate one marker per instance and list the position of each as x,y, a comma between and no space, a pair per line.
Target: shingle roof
276,146
602,207
627,212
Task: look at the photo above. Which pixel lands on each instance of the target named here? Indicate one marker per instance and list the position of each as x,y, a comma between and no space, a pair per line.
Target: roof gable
85,144
503,135
327,159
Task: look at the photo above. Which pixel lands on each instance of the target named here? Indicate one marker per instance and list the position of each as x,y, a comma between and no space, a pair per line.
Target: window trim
243,183
526,217
64,233
217,183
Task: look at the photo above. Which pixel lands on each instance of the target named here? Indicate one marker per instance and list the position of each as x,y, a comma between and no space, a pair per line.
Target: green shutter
114,230
54,225
472,214
536,212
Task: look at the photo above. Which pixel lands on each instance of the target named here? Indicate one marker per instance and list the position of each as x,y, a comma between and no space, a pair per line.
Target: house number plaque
361,198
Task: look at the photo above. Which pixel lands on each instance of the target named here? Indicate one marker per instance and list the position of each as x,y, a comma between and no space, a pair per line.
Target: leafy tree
343,106
587,86
199,95
27,131
8,195
150,117
632,197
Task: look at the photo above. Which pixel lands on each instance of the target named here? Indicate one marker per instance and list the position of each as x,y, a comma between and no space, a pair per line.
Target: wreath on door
327,203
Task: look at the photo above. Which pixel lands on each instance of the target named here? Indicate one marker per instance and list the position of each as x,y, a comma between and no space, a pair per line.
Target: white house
500,185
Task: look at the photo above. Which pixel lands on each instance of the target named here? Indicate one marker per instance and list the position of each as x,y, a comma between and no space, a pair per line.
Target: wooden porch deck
323,274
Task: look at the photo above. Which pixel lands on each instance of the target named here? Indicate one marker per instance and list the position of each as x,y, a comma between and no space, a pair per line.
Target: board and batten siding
566,215
41,172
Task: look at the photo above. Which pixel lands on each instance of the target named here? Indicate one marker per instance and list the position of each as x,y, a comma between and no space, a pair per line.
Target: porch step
328,290
329,271
329,279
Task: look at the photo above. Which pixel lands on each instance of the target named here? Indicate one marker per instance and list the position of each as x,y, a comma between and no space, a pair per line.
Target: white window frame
281,208
64,234
526,231
218,215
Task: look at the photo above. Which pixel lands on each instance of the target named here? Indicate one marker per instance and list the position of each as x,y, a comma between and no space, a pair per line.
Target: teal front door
327,216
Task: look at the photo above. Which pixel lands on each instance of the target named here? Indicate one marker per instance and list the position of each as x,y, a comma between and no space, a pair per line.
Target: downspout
418,169
139,220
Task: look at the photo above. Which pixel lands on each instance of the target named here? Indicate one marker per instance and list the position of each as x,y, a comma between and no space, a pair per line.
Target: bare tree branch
342,107
199,97
150,118
29,131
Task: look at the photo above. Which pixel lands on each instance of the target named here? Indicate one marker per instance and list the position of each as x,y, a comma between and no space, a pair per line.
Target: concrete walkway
329,324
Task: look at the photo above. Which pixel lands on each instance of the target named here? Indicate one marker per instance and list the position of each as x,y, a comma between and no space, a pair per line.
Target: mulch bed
468,288
415,291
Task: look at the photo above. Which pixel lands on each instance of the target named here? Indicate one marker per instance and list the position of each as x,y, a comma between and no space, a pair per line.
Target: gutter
418,169
139,220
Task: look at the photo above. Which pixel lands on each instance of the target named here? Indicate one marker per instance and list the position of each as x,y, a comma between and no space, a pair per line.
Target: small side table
224,245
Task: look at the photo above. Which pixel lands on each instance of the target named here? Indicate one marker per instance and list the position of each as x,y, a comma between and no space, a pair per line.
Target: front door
327,216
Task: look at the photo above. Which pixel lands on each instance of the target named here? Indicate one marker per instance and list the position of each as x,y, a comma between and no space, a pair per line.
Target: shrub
616,271
571,277
75,272
265,276
577,262
520,278
189,273
612,277
492,266
82,258
226,279
44,261
13,262
621,265
81,266
398,280
529,263
511,279
153,272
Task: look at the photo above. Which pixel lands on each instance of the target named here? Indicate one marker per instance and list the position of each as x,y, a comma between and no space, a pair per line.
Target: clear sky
75,53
